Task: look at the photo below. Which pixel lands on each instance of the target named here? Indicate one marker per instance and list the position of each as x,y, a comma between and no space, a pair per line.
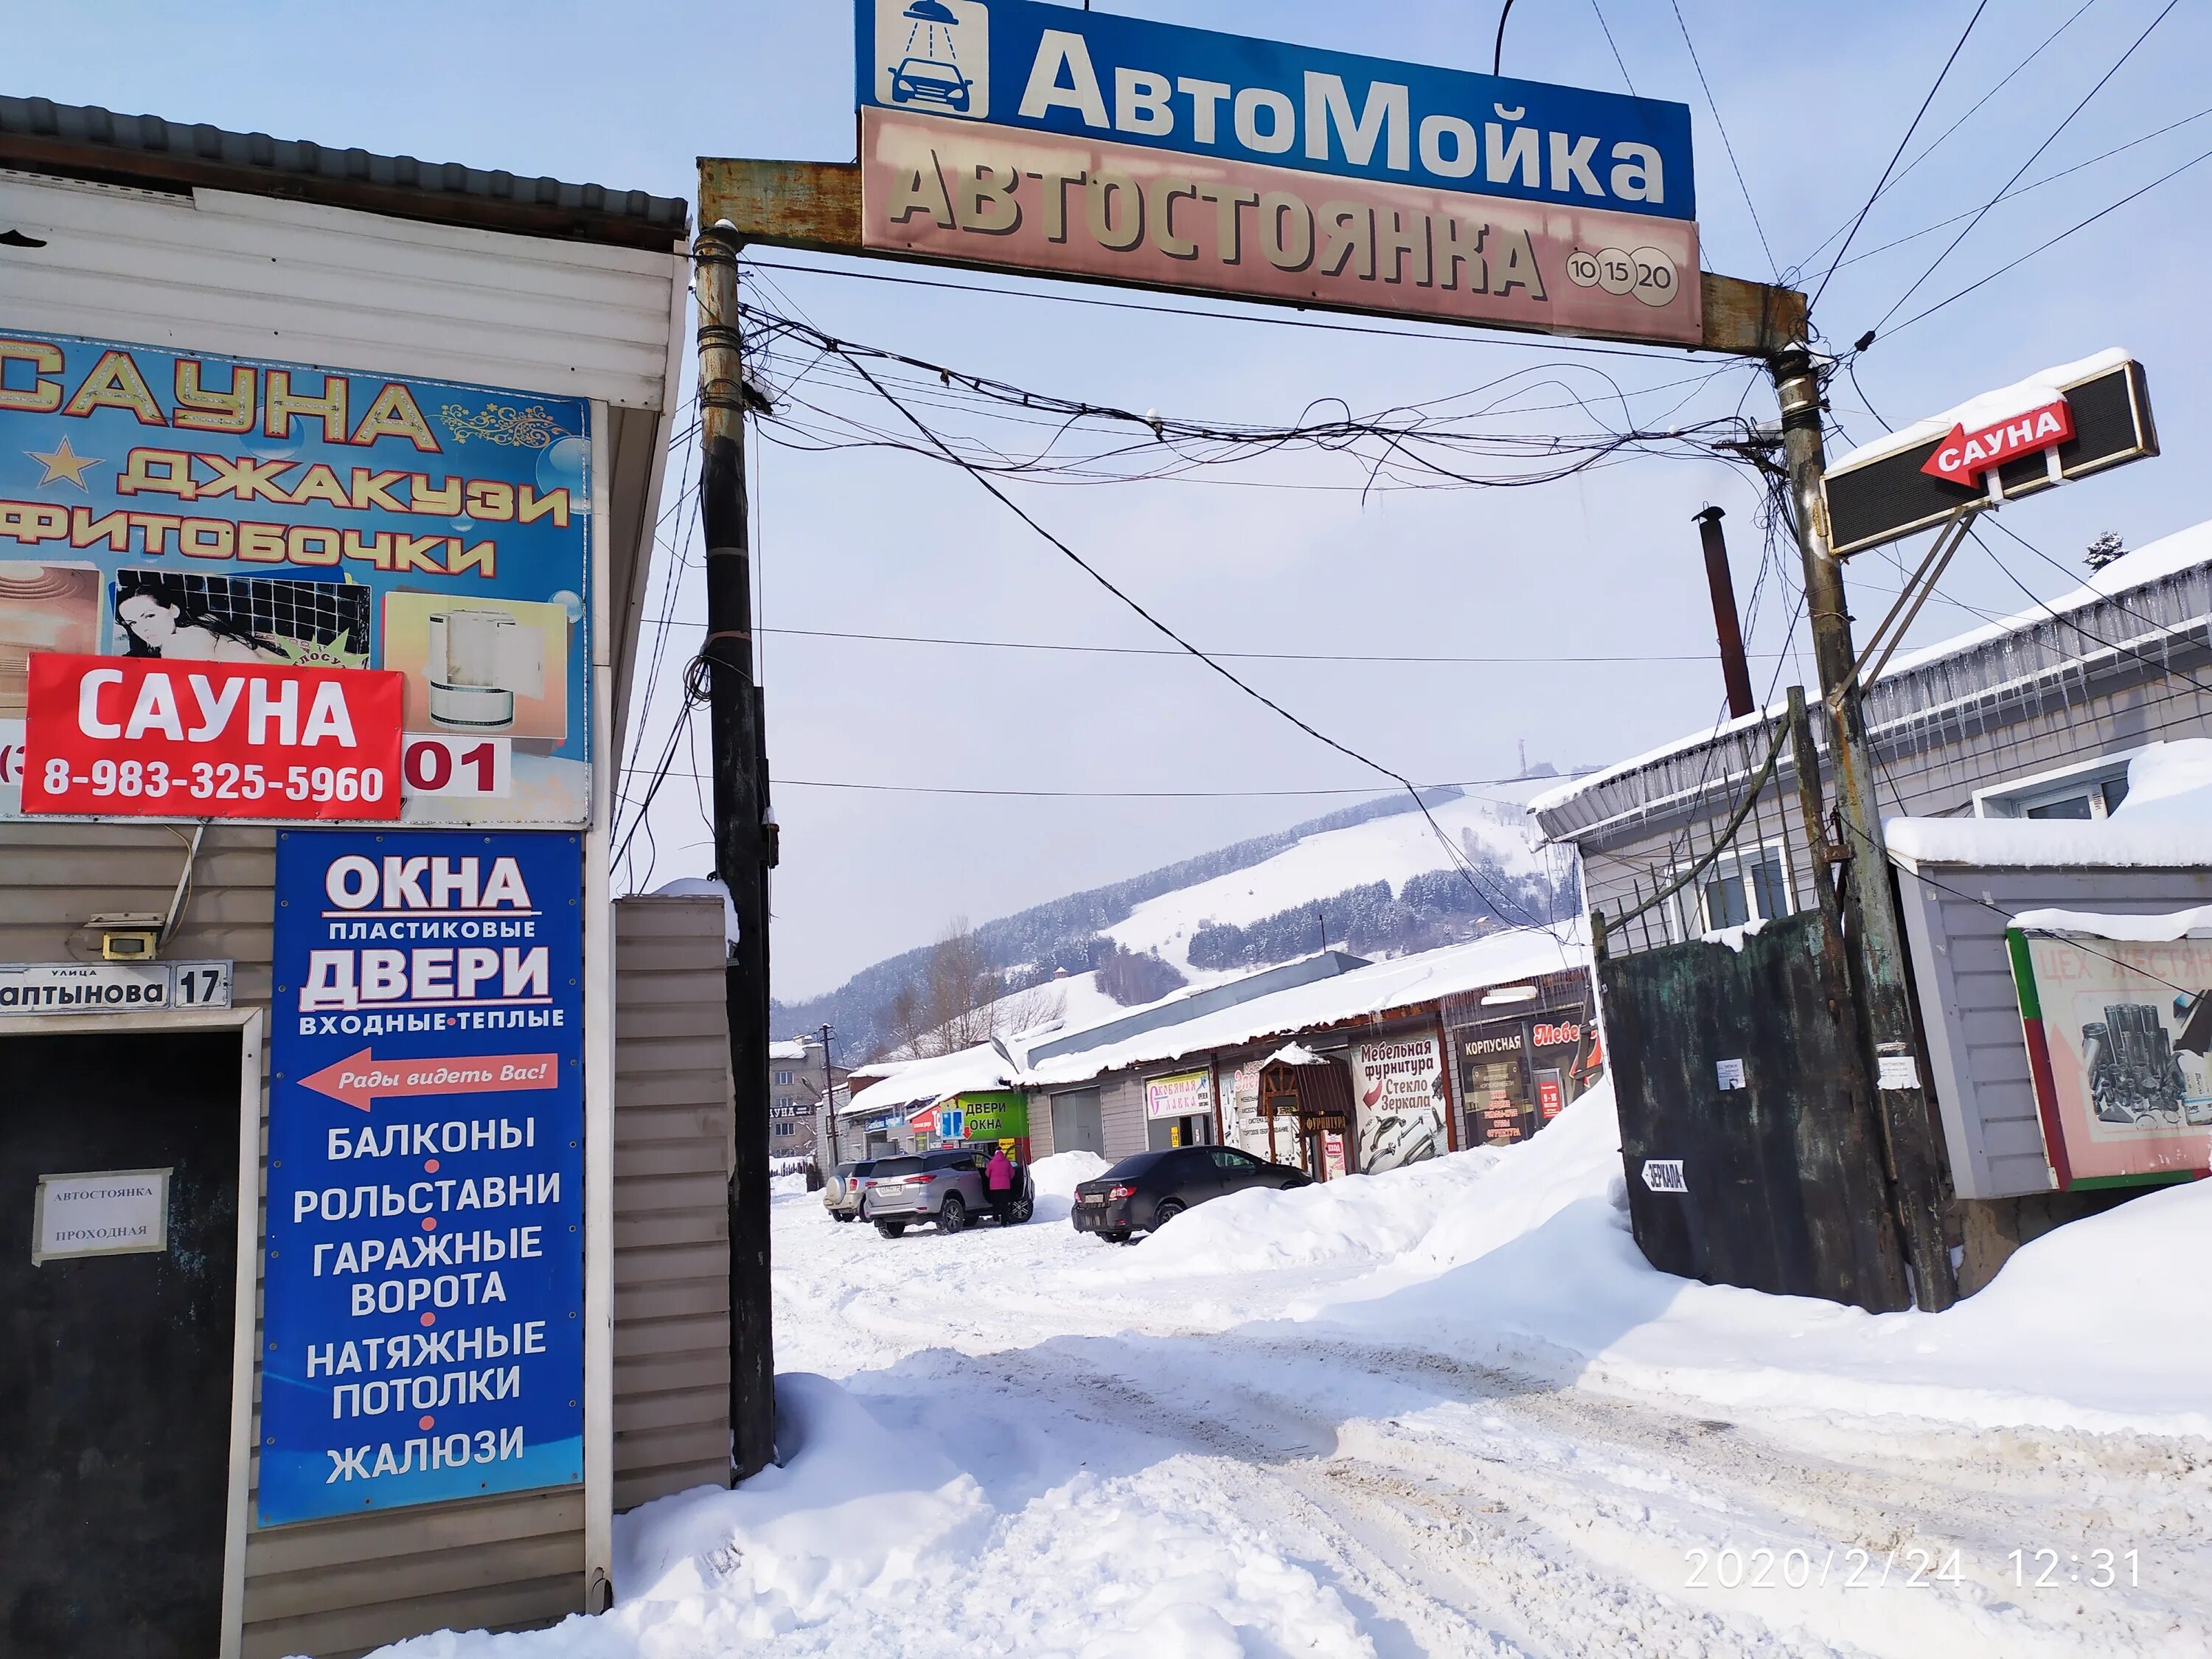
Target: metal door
115,1394
1078,1123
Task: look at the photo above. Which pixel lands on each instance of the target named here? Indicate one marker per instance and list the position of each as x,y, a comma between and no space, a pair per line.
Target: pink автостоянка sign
1074,206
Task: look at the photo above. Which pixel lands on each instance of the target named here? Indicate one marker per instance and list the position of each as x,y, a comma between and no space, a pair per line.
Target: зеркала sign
423,1330
201,514
1039,137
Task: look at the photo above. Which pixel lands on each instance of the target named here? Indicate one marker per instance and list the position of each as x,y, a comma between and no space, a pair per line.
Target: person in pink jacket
999,1176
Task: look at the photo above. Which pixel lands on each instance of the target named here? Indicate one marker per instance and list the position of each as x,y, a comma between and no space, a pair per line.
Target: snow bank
1522,1256
855,1512
1357,1218
870,1541
1532,1261
1054,1180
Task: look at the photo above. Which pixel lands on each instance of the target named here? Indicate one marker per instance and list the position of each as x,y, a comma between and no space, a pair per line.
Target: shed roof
85,141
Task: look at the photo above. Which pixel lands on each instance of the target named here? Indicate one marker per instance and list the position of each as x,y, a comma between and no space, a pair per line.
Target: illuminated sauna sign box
1037,137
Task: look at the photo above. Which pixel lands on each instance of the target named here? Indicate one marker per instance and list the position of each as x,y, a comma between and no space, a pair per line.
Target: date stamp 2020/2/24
1906,1567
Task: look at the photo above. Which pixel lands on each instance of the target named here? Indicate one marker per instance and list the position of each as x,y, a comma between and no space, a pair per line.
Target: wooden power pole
741,839
1874,934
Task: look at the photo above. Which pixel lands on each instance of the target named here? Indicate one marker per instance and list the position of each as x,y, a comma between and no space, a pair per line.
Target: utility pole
1875,936
741,838
1735,671
829,1094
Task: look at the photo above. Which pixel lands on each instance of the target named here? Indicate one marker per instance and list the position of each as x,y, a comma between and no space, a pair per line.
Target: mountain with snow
1379,879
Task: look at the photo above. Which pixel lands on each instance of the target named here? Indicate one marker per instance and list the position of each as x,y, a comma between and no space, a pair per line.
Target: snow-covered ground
1448,1410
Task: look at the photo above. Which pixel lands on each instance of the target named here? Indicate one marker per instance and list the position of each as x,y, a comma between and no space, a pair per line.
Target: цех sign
1039,137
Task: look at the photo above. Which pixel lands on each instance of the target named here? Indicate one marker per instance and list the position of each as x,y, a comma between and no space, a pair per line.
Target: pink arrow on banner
358,1078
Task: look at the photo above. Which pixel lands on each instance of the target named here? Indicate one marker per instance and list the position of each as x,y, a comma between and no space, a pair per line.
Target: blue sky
1814,98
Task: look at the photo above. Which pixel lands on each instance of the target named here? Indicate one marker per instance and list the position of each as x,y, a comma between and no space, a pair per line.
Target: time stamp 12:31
1910,1567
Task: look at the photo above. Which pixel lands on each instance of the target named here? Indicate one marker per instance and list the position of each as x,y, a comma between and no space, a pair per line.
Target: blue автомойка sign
422,1331
1018,63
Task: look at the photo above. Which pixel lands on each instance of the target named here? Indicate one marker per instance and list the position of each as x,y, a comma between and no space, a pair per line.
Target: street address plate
112,987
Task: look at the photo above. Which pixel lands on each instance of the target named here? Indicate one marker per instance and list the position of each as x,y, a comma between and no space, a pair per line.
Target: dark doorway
115,1392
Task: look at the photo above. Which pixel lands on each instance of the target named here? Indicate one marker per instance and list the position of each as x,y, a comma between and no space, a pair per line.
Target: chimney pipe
1735,671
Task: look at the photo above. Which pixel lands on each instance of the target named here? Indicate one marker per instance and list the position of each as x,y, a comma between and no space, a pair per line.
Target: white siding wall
254,276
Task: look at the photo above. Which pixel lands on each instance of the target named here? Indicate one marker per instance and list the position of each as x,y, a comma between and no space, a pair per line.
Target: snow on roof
2182,550
1425,977
793,1049
1293,1053
1987,407
2165,823
924,1082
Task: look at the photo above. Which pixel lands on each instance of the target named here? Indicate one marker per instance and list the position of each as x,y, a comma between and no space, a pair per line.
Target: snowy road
1434,1506
1445,1411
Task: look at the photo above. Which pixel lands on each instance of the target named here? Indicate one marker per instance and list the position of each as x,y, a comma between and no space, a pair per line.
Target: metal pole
1735,672
1874,936
740,840
830,1095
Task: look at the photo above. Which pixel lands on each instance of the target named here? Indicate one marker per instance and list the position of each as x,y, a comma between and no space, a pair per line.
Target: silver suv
840,1189
948,1187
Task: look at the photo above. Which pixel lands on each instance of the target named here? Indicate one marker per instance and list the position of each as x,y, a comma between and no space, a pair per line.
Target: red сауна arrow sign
1964,456
359,1077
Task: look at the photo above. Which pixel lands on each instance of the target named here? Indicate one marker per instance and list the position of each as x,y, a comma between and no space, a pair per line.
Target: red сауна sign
1964,456
156,737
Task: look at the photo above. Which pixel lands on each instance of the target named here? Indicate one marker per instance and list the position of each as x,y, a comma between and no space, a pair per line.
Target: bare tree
1025,1011
961,992
952,1003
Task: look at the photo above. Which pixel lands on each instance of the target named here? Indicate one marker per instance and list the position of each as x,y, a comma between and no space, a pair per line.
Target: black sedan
1150,1189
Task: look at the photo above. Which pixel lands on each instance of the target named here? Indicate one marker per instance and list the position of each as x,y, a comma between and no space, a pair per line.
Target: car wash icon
934,55
480,661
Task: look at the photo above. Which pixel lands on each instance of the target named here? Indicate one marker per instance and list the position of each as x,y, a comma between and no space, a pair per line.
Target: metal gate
1751,1152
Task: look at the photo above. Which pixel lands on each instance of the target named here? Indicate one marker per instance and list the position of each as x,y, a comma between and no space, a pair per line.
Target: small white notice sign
1664,1174
111,1212
1897,1072
1730,1073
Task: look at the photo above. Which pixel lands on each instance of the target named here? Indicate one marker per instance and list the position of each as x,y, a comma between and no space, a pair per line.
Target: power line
1466,871
2022,170
2052,242
1883,182
1609,41
1234,656
1726,144
2035,184
1936,142
1130,794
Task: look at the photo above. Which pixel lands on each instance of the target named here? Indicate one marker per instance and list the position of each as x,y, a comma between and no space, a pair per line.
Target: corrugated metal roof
1984,678
85,141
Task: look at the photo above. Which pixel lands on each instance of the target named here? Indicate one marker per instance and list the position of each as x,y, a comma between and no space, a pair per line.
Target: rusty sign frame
814,207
